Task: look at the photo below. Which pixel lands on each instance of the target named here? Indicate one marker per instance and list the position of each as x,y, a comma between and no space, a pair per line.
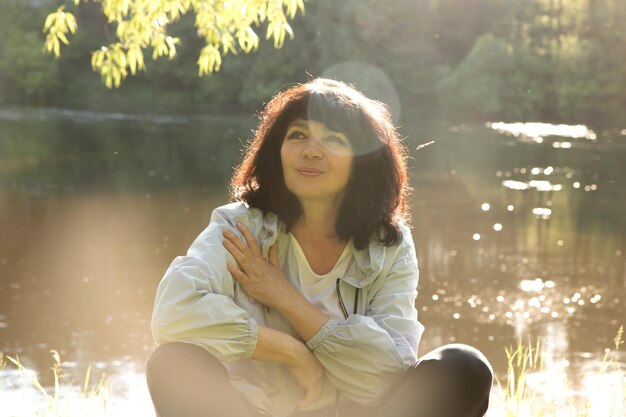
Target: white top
320,290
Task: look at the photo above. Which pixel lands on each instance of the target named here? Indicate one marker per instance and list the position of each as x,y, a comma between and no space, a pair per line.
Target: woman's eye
335,139
296,134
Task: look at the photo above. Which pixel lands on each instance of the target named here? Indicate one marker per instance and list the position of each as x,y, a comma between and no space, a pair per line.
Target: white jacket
199,302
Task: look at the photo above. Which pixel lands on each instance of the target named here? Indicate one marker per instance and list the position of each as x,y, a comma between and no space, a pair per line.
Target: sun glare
538,131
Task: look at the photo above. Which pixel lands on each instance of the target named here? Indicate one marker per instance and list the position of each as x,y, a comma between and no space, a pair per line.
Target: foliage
26,76
25,72
559,61
480,80
224,25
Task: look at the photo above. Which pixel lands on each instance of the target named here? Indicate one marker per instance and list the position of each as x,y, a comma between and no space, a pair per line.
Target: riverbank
528,389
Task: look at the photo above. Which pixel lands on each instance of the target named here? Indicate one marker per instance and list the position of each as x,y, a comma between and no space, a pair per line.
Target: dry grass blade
64,398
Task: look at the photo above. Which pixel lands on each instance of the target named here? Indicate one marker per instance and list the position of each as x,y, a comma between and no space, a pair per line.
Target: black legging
452,381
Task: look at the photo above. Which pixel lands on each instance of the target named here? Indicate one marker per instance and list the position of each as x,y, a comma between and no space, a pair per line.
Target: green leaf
225,26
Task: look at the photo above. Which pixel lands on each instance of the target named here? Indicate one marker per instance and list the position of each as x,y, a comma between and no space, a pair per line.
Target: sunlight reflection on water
550,391
537,131
549,394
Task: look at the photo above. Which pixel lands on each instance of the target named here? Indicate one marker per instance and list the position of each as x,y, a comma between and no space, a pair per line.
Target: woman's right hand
309,374
276,346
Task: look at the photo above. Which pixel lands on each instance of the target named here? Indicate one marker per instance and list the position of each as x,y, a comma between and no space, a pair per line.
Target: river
520,231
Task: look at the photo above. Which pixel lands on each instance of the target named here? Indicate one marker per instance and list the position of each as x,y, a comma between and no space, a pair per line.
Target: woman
299,298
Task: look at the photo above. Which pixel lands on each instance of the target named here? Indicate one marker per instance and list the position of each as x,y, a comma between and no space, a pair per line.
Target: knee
162,359
462,363
454,371
176,358
471,361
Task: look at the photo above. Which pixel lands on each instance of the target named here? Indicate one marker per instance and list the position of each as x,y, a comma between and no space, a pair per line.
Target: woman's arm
275,346
265,282
194,305
195,299
304,317
363,355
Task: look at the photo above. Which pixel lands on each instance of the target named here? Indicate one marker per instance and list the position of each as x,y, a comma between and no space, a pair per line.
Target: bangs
338,114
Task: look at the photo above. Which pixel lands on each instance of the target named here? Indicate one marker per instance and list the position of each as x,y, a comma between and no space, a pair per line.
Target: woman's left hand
262,280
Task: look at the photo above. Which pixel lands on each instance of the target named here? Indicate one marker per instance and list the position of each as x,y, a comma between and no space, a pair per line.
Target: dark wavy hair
376,194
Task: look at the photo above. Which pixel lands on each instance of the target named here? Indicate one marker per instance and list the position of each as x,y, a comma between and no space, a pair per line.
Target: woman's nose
313,149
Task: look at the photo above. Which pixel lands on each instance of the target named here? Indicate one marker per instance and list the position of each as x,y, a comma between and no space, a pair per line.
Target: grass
61,400
527,390
522,395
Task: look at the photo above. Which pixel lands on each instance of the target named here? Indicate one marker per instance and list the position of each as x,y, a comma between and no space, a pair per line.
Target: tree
26,76
224,26
476,86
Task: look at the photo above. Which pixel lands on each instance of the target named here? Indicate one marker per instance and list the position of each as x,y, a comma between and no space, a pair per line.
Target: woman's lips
310,172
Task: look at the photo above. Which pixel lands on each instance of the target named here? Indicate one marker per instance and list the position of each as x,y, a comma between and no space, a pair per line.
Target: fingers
250,239
273,254
235,241
309,398
306,400
237,273
239,256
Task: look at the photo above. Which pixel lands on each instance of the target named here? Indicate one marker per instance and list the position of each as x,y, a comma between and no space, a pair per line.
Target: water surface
515,236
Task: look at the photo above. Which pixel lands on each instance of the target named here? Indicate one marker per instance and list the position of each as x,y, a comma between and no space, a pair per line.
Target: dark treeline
463,60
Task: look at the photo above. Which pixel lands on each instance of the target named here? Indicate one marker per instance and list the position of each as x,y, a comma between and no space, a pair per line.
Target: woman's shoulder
238,209
241,212
404,248
405,230
404,238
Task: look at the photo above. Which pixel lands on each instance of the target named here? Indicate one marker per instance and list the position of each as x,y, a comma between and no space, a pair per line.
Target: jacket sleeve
365,355
195,300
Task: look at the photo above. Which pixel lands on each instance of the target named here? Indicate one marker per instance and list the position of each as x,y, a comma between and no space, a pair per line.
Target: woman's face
316,161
